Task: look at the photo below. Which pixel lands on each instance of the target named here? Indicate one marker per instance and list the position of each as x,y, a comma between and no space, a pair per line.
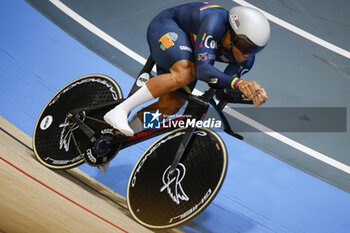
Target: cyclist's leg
167,42
168,104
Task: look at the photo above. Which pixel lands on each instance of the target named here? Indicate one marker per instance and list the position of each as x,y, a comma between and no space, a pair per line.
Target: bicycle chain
74,140
95,119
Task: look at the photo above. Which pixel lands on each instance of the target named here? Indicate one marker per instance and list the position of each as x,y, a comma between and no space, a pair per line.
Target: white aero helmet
250,29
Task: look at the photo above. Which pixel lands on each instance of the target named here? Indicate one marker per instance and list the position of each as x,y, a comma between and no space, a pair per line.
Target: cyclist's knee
170,104
183,72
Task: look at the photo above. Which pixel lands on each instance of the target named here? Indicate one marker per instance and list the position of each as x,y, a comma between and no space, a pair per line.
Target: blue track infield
260,193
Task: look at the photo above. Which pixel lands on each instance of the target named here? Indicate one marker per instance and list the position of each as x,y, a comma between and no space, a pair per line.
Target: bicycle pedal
104,167
118,133
102,149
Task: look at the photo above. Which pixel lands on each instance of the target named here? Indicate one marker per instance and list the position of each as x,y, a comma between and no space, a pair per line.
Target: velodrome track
37,199
260,193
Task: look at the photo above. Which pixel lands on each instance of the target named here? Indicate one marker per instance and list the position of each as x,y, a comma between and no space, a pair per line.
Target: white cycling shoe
118,119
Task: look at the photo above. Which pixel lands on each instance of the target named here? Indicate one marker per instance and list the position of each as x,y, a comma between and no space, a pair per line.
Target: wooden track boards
34,198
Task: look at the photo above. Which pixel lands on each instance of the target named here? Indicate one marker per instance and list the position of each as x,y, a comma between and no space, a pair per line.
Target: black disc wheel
158,198
58,142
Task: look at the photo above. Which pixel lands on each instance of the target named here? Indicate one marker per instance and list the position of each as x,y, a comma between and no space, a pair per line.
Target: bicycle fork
201,108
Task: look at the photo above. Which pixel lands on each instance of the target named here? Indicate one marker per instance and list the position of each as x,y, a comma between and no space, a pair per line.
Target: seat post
144,75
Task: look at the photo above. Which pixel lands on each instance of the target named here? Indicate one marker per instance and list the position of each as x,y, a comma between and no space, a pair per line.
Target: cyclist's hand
253,91
260,97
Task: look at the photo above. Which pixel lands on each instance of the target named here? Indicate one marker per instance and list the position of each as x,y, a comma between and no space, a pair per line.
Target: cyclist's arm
250,89
236,71
212,29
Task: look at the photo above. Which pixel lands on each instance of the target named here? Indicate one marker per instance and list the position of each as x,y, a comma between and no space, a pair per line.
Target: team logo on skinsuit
208,42
168,40
205,56
202,57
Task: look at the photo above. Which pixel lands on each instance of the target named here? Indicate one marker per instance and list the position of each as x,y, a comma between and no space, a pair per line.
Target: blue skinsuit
194,32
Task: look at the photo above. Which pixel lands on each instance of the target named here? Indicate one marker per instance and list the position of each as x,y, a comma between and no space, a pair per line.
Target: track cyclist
184,42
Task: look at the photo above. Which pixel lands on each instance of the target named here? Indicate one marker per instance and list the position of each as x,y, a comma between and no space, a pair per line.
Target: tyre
57,142
160,200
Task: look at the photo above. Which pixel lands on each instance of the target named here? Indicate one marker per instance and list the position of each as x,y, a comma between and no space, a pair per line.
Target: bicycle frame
197,108
195,103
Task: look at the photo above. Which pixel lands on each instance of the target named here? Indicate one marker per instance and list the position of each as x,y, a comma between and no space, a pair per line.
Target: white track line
299,31
98,32
288,141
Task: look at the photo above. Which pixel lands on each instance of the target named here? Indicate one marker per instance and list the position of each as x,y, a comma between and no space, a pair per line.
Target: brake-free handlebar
227,95
235,96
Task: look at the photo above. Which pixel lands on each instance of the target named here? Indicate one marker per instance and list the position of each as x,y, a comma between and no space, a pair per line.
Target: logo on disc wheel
46,122
172,183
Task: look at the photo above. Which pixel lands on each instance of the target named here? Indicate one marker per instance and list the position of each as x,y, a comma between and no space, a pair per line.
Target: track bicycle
177,176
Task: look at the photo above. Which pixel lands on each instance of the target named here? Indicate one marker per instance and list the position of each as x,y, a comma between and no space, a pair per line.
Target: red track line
62,195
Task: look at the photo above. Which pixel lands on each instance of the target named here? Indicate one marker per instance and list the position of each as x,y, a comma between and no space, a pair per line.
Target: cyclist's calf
168,105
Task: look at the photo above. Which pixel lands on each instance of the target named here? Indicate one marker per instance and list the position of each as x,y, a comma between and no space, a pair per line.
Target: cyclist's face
239,56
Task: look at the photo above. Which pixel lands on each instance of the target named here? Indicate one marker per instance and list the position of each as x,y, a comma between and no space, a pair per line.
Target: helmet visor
244,45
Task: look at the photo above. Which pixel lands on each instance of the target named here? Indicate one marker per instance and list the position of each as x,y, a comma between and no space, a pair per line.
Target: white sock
118,116
135,123
141,96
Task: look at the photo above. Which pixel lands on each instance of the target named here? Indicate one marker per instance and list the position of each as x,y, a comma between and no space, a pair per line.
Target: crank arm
86,129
